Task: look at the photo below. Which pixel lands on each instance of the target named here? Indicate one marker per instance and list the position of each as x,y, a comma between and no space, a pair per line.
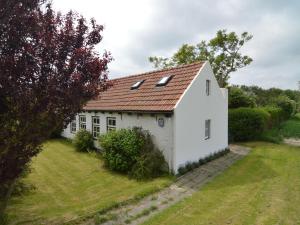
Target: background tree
48,70
238,98
223,53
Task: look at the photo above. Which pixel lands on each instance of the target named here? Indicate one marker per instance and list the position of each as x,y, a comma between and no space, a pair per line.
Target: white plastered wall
162,136
190,114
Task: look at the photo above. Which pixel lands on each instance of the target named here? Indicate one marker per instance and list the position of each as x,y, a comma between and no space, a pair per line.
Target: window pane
207,87
207,129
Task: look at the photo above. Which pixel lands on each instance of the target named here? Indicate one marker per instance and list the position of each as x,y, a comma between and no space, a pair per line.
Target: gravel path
183,187
292,141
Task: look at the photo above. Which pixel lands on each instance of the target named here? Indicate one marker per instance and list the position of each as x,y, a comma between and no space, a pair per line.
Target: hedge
277,115
247,123
189,166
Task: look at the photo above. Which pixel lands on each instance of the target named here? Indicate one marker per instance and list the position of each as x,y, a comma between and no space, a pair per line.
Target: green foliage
286,129
287,105
83,141
121,149
132,151
265,97
272,135
239,98
247,123
222,51
189,166
149,165
276,115
291,127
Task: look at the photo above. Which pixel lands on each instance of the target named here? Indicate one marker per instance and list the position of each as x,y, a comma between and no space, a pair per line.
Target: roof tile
147,97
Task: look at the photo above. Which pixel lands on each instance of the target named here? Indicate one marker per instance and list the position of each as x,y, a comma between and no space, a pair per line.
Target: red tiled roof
147,97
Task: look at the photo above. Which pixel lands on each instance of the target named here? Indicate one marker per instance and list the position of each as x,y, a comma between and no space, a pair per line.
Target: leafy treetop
222,51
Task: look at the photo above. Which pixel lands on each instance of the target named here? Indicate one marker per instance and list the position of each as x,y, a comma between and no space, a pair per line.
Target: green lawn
69,184
263,188
288,129
291,128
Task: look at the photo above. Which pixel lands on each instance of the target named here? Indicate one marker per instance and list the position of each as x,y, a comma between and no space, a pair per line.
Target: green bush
189,166
272,135
247,123
121,149
132,151
238,98
287,105
149,165
83,141
276,115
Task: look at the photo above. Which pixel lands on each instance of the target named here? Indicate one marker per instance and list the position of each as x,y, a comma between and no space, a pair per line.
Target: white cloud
135,30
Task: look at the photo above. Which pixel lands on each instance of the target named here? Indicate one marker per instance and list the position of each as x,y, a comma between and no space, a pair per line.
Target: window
82,122
207,129
207,87
73,126
163,81
111,123
95,126
137,84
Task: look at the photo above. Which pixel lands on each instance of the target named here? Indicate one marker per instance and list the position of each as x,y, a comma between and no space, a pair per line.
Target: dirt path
182,188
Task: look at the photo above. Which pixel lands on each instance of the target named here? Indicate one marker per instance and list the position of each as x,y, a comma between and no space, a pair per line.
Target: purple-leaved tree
48,70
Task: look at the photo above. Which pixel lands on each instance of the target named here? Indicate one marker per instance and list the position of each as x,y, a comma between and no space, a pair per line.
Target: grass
291,128
70,185
262,188
144,212
288,129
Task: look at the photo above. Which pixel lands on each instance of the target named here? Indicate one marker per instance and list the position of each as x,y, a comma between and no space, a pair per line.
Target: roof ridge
160,70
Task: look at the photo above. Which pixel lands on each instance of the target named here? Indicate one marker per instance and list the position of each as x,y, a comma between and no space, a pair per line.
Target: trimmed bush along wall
132,151
83,141
189,166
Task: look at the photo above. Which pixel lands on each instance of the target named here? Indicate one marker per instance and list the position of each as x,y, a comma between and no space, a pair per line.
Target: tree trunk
6,197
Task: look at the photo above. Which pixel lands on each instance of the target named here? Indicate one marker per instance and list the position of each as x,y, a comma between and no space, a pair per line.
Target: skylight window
163,81
137,84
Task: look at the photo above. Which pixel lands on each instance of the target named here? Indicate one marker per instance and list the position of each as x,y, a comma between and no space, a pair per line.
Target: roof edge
160,70
130,111
188,87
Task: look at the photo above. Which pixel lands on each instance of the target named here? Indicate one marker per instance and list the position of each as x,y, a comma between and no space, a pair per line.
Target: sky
137,29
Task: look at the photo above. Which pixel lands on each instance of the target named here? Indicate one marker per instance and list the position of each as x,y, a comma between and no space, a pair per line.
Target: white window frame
111,123
95,126
207,129
137,84
207,87
164,81
82,122
73,126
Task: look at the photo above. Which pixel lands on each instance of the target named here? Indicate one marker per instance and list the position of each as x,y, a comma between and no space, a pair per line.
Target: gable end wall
190,114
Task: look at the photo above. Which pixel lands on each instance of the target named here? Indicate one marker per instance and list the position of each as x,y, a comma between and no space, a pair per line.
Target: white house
183,108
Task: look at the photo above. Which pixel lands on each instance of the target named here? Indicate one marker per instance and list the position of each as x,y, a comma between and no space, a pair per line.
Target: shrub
83,141
276,115
247,123
149,165
272,135
238,98
287,105
132,151
121,149
193,165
